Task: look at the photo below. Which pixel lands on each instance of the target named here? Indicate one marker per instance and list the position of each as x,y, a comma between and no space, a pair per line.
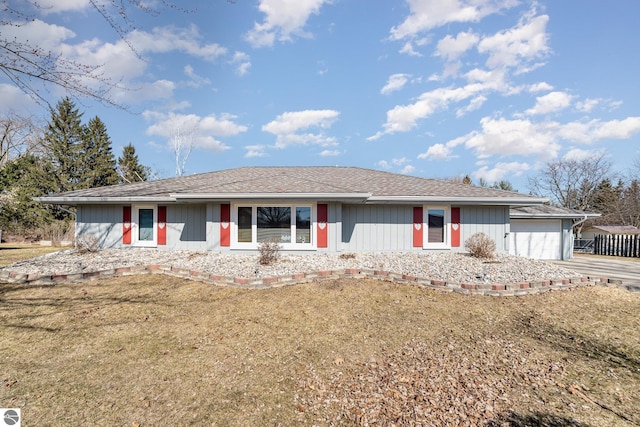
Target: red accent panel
126,225
323,225
225,225
418,227
455,227
162,225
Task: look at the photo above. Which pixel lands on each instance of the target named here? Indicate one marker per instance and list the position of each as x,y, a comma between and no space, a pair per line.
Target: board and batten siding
101,221
490,220
376,228
186,225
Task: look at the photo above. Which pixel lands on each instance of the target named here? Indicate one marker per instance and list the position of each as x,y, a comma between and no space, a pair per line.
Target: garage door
535,238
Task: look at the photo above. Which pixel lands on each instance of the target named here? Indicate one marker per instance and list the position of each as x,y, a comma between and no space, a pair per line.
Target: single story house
544,231
589,233
305,209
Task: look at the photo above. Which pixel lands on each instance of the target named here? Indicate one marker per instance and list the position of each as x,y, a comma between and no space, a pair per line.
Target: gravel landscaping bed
450,267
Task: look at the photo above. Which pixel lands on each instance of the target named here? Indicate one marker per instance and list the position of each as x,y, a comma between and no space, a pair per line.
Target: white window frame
293,245
135,227
447,227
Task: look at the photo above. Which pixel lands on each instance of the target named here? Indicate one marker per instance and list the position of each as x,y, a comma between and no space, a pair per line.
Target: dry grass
154,350
14,252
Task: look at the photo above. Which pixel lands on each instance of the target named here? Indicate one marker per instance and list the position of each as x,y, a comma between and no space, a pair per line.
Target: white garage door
536,238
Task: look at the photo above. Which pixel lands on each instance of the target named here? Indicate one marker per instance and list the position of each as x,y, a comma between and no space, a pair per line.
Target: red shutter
455,227
162,225
418,229
225,228
126,225
322,226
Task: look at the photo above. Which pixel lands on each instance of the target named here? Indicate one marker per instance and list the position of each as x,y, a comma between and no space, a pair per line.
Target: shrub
87,243
479,245
269,252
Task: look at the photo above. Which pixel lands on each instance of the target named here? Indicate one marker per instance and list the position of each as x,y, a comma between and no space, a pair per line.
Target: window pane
436,226
145,225
244,224
274,224
303,224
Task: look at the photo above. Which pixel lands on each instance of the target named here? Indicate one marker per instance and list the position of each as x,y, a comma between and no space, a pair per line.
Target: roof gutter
485,201
54,200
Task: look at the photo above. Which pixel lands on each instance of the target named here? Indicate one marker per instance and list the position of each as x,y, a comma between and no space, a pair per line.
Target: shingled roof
319,183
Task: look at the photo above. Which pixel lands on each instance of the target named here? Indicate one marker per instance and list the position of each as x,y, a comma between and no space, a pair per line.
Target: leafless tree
19,136
571,183
181,143
33,68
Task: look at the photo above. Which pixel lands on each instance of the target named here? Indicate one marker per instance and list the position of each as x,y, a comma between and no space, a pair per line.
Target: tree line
65,155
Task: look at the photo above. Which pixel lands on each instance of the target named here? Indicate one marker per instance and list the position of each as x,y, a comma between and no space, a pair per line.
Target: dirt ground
156,350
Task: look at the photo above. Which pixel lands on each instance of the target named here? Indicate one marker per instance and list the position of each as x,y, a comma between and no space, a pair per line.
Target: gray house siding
490,220
102,221
351,227
186,227
374,228
567,239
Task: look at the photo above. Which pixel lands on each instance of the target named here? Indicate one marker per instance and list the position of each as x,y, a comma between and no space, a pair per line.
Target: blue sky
432,88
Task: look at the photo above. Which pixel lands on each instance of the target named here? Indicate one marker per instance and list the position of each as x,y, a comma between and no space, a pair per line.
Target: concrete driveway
610,267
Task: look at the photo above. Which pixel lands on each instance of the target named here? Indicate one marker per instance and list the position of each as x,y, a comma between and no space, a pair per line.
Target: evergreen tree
129,168
63,137
22,180
98,165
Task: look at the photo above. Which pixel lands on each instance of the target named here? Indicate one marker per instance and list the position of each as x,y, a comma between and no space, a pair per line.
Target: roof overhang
553,216
61,200
458,200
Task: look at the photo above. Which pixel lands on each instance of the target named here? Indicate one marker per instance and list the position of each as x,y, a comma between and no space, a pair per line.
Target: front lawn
155,350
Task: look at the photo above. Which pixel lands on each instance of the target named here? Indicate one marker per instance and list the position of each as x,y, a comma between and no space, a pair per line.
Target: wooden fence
624,245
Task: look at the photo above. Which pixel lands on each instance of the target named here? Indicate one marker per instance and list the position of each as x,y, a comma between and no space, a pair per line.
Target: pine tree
129,168
63,137
98,165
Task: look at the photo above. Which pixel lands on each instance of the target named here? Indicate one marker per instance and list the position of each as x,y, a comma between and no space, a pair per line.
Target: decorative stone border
490,289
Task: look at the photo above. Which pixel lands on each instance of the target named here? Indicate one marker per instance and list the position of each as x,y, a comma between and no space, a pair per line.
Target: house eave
458,200
553,216
72,201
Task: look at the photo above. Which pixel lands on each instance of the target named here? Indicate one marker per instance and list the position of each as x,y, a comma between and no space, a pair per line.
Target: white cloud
428,14
502,137
597,130
283,19
579,154
500,170
475,104
518,47
58,6
255,151
437,152
452,48
403,118
551,102
287,126
400,163
330,153
587,105
407,170
204,131
395,82
242,61
195,81
540,87
14,100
